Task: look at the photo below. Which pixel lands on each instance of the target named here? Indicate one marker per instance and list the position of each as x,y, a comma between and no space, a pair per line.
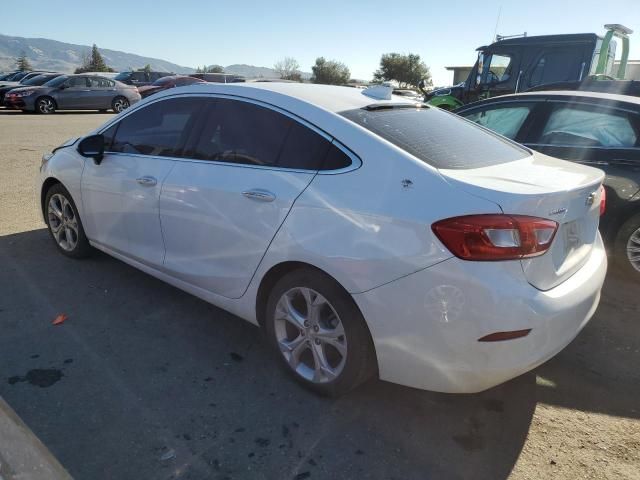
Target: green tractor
583,61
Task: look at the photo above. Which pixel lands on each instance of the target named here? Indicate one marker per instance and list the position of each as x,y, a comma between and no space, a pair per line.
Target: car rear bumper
426,326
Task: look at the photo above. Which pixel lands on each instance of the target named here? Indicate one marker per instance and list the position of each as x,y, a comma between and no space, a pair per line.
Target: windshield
56,82
436,137
40,79
123,76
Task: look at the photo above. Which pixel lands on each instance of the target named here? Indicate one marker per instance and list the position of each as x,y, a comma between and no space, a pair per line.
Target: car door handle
147,181
260,195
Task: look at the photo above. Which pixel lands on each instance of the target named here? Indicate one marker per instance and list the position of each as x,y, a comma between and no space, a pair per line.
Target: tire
336,336
45,105
64,224
628,237
119,104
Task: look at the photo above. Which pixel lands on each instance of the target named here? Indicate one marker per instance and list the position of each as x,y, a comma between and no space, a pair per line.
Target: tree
407,70
288,69
147,69
22,63
210,69
330,72
93,62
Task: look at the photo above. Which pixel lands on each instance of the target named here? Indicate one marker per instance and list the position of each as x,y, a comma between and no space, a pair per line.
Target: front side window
159,129
498,70
244,133
438,138
506,121
77,82
588,127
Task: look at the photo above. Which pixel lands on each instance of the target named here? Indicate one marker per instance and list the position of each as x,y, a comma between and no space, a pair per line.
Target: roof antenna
495,32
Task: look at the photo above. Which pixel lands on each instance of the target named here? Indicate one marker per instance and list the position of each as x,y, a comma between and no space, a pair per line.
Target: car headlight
26,93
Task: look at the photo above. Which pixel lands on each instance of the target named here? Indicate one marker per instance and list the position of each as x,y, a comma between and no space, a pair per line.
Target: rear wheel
627,248
318,333
45,105
64,223
119,104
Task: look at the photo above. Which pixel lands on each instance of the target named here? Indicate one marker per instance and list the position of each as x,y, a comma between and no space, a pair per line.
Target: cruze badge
558,211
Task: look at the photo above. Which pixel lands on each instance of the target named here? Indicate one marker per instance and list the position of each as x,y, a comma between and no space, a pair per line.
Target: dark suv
597,129
140,78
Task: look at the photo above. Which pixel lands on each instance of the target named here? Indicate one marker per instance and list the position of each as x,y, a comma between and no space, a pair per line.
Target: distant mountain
57,56
249,71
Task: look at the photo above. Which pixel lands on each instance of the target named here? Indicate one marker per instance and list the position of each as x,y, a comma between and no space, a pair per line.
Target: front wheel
64,223
318,333
119,104
627,248
45,105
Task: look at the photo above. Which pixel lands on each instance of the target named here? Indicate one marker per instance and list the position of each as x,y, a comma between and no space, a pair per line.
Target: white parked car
366,236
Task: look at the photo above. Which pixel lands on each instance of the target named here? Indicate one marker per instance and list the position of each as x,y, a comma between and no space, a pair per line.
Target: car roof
328,97
560,94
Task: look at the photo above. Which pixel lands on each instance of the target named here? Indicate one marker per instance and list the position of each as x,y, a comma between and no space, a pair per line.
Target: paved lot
144,381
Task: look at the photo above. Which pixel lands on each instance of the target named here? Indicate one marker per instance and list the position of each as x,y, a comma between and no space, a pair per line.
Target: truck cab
518,64
521,63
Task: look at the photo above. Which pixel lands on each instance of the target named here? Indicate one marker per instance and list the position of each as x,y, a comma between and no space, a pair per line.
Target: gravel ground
145,381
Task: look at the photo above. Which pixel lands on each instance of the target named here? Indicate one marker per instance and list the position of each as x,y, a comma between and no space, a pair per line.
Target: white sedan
366,234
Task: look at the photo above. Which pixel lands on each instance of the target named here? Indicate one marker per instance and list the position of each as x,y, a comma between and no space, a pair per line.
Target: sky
357,33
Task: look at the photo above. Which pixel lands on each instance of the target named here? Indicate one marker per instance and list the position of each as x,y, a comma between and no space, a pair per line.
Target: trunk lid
545,187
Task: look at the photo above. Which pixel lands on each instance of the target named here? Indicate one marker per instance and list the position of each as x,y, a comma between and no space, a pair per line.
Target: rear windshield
123,76
438,138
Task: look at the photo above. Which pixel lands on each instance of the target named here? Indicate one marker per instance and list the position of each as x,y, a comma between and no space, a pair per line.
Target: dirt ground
145,381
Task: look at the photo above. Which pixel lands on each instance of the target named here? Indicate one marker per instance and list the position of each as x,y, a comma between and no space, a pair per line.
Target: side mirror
63,86
92,147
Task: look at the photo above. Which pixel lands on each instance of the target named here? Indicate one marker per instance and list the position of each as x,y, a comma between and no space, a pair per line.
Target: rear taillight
495,237
603,200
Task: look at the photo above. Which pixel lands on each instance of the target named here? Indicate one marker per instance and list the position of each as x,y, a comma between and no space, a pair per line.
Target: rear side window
244,133
438,138
159,129
580,126
506,121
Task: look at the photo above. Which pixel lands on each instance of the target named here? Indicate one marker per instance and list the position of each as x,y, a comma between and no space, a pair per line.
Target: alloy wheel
310,335
46,105
633,249
120,104
63,222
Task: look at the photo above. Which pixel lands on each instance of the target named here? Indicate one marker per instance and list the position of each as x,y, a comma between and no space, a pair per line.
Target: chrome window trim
356,162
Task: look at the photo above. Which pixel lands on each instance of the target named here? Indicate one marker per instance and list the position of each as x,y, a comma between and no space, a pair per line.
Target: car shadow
145,381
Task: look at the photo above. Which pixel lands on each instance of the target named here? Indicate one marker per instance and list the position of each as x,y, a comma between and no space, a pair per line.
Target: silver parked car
74,92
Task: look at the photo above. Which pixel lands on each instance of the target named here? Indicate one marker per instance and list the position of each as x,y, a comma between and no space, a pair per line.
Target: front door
121,194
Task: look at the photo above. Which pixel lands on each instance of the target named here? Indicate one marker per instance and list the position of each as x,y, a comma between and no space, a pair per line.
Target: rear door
103,91
221,208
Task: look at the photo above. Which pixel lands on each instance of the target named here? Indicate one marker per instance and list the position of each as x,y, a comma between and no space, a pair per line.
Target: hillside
57,56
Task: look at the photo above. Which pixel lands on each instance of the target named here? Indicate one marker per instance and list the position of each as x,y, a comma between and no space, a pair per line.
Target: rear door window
438,138
505,120
159,129
556,66
244,133
576,125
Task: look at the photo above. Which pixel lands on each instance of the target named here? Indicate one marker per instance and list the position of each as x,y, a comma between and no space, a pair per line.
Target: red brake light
603,200
495,236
